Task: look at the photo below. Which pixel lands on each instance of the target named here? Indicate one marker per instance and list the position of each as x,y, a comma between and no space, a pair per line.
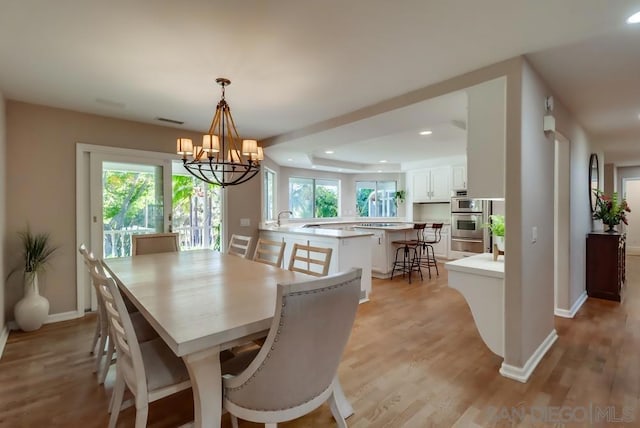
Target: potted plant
400,197
611,210
496,226
31,311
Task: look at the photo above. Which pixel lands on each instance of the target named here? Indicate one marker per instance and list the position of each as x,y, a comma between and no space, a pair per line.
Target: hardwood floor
414,359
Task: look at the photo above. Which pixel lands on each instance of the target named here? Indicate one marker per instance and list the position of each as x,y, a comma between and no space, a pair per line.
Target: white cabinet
432,185
379,251
459,177
486,139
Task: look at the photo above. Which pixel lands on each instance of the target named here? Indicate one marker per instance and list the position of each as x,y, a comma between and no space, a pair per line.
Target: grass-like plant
36,251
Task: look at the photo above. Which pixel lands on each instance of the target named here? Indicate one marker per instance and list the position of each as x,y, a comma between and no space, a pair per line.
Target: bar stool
427,256
406,262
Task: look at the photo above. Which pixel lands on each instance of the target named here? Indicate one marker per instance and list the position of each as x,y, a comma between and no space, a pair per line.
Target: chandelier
221,159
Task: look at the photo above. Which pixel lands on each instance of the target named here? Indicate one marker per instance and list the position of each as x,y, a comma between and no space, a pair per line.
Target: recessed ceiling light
313,166
383,161
329,152
634,19
290,160
379,170
426,132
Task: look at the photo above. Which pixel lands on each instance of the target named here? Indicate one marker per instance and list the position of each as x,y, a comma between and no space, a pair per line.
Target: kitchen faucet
283,212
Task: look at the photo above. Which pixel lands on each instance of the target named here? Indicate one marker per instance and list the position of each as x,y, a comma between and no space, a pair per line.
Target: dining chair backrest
299,360
124,336
269,252
239,245
313,261
154,243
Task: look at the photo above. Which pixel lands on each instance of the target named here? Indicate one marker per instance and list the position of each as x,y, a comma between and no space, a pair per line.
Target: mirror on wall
594,179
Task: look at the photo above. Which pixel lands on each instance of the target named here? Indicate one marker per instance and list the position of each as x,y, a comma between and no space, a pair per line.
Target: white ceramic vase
31,311
499,241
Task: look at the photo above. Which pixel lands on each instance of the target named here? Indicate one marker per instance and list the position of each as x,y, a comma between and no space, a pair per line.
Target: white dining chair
150,370
105,350
239,245
269,252
154,243
295,371
311,260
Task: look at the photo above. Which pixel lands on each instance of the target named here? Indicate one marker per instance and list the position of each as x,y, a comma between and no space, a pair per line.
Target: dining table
201,303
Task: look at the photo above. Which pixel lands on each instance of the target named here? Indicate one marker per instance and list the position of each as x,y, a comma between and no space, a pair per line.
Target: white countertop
481,264
316,231
390,227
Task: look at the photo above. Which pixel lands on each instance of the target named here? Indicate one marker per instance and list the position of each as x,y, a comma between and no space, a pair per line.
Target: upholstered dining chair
239,245
269,252
154,243
311,260
295,371
150,370
106,347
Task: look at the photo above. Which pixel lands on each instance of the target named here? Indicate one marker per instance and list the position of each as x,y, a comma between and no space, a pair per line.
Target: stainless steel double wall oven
467,217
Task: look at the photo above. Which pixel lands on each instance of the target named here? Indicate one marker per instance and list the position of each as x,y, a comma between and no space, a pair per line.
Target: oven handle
466,240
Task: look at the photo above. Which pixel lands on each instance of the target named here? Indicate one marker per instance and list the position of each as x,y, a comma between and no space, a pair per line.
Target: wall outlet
245,222
534,234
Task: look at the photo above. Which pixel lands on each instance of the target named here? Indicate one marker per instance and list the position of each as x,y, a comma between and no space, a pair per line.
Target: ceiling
294,64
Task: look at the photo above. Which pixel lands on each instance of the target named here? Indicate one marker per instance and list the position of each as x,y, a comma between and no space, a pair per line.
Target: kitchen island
350,248
480,280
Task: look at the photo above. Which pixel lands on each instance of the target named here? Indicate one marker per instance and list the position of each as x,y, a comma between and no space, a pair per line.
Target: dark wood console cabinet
605,265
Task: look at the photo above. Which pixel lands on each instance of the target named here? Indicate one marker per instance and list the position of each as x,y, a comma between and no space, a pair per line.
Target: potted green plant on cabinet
32,310
496,226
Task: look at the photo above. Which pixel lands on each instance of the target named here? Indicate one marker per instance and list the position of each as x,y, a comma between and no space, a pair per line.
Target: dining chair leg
335,411
100,354
95,337
107,361
234,421
118,394
270,425
142,414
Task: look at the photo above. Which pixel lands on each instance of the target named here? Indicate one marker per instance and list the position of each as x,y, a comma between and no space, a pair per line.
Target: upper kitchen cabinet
459,177
432,185
486,139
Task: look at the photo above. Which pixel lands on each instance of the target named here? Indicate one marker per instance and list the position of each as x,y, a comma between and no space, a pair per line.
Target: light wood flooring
415,359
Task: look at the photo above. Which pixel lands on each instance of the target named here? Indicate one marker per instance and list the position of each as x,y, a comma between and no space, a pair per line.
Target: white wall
537,172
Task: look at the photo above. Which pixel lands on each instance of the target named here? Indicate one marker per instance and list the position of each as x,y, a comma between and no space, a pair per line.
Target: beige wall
3,208
43,195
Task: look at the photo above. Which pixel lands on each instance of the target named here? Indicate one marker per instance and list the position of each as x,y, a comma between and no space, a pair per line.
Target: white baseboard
633,251
63,316
4,335
521,374
574,309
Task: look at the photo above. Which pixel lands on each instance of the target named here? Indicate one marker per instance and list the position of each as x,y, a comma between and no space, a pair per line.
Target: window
376,198
269,192
313,198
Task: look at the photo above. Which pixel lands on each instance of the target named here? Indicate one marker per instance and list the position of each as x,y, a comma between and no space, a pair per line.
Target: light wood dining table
202,302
